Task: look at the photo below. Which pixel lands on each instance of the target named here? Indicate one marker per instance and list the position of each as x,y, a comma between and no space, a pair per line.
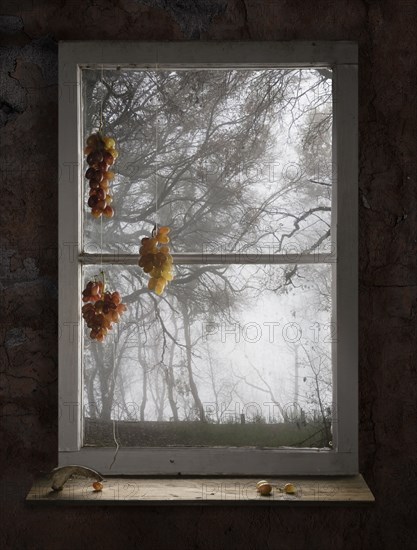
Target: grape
93,291
101,194
102,308
92,140
163,239
156,272
94,157
97,176
92,202
104,185
109,143
121,308
90,173
108,158
160,285
101,154
167,274
156,260
152,283
108,211
99,306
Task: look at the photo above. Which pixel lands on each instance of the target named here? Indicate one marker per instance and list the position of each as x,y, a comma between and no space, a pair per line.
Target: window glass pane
240,160
230,355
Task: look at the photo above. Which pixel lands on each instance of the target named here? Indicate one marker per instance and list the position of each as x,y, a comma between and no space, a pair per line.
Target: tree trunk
144,385
170,379
296,376
193,387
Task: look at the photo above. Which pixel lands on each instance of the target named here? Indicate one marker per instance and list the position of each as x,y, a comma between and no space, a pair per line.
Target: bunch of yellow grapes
156,260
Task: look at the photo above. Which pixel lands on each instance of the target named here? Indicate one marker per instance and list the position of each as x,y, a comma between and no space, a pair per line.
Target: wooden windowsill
318,491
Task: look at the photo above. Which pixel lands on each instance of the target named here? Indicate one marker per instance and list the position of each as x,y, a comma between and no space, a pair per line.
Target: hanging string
156,173
101,243
100,128
155,229
114,390
156,154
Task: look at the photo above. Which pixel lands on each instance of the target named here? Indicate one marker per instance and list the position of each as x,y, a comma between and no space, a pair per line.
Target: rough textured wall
30,30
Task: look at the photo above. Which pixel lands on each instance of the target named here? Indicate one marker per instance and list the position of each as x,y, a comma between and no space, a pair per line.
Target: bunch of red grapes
156,259
101,310
101,154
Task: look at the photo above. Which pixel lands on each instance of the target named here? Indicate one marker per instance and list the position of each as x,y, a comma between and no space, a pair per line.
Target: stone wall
29,248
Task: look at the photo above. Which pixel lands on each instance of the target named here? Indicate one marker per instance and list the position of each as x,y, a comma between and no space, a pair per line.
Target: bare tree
189,141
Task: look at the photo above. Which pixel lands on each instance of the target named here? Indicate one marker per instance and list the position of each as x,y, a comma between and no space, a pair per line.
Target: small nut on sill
290,489
260,483
97,486
264,488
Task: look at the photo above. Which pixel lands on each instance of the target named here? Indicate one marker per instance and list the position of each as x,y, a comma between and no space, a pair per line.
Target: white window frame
341,57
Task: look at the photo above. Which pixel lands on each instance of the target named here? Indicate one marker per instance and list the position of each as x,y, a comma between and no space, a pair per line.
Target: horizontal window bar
240,53
196,258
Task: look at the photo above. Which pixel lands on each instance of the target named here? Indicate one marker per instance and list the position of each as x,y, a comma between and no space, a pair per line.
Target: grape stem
103,276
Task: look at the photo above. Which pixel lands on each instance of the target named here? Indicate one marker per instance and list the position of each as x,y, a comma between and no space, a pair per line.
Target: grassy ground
161,434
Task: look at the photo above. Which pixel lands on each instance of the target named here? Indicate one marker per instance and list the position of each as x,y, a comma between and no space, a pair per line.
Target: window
247,364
